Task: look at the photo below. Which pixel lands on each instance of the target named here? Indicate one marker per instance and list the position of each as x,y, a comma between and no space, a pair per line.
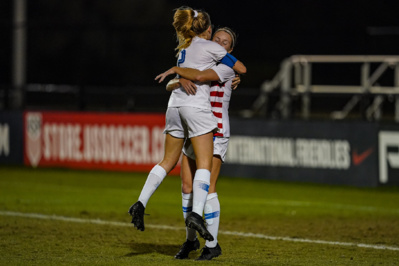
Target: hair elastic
195,13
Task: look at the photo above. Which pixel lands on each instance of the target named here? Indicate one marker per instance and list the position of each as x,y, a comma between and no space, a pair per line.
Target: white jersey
201,54
220,98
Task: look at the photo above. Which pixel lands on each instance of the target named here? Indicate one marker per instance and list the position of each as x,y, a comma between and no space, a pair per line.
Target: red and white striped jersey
220,98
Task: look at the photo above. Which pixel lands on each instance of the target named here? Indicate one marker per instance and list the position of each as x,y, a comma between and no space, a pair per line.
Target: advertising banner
323,152
388,138
11,138
125,142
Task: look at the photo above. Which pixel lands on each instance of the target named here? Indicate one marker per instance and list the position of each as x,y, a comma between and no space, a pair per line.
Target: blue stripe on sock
212,215
204,186
187,209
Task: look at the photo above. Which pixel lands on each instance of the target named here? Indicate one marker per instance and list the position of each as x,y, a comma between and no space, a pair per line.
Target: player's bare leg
173,147
187,172
216,165
203,150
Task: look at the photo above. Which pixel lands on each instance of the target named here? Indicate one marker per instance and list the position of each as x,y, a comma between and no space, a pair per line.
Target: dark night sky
127,43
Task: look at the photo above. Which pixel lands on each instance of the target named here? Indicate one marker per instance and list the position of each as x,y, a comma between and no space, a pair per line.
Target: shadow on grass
146,248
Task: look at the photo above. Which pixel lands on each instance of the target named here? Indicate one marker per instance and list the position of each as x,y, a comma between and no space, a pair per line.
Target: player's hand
162,76
188,86
235,82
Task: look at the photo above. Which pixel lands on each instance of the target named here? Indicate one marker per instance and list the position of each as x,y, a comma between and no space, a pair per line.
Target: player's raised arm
239,67
196,75
230,61
190,74
163,75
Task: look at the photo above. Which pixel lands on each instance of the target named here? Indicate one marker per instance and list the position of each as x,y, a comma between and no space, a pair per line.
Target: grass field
66,217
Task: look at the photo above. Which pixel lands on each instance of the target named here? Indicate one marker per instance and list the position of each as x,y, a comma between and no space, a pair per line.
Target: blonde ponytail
189,23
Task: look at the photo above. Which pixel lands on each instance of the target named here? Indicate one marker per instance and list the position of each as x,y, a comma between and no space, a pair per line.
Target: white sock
187,203
200,190
154,179
212,216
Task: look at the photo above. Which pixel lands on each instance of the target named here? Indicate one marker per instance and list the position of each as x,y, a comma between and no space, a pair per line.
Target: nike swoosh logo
359,158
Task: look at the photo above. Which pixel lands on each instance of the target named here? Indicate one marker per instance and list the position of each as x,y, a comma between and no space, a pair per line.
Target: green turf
299,211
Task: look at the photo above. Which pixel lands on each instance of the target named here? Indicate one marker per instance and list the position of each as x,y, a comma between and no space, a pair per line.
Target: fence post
285,89
397,96
306,95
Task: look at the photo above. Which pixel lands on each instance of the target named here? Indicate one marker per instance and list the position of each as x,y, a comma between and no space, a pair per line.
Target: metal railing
295,79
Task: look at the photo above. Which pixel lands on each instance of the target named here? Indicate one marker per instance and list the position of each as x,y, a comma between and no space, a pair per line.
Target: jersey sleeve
216,51
224,72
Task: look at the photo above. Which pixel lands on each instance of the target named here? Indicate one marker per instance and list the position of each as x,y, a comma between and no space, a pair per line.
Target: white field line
232,233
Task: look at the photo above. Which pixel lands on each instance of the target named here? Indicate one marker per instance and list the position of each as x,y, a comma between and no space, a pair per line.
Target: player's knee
187,188
168,165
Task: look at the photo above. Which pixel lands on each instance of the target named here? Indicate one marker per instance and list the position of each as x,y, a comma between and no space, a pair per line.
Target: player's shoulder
209,44
215,45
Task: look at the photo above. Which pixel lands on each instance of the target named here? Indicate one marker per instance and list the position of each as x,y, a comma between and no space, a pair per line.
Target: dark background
126,43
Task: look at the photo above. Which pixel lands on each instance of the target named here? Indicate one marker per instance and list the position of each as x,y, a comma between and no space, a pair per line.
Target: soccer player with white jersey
220,94
189,116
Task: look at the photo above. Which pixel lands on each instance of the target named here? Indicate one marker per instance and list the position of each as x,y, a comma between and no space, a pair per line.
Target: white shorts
189,122
219,148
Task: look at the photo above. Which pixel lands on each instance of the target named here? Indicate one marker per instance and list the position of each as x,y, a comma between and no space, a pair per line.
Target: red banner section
123,142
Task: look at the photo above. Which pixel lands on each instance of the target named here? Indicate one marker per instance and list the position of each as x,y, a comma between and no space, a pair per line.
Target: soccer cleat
137,213
186,248
195,221
210,253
